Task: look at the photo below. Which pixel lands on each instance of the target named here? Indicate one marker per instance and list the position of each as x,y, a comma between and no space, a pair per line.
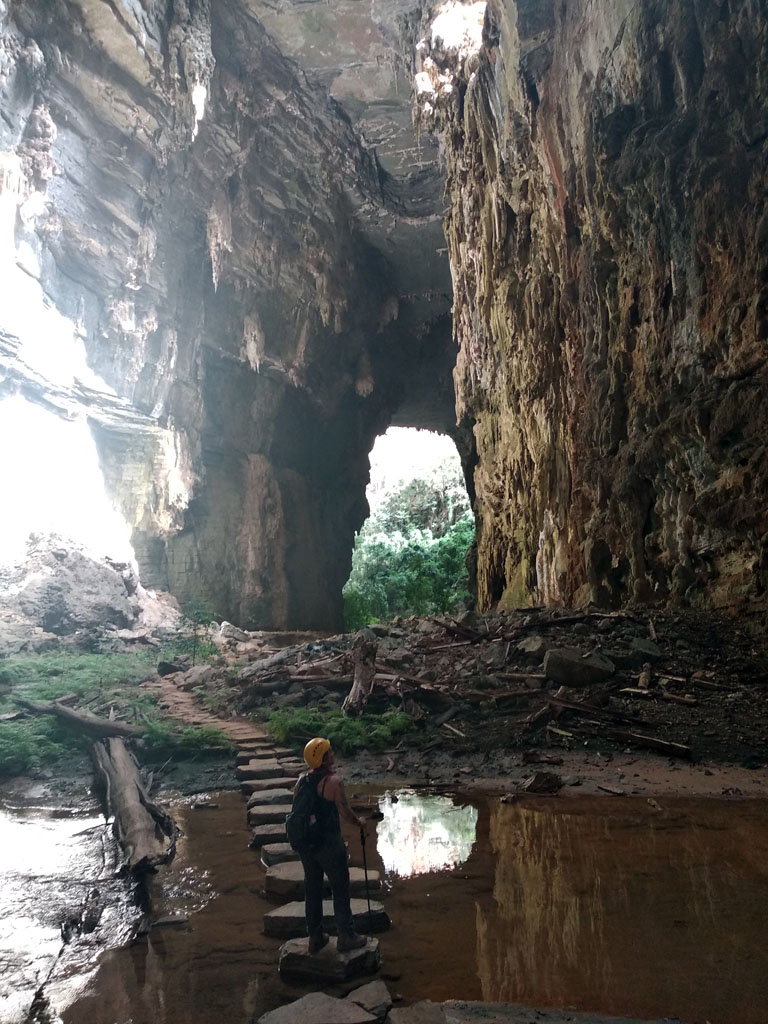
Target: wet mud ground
586,904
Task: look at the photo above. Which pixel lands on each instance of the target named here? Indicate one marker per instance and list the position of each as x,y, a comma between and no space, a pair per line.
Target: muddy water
607,905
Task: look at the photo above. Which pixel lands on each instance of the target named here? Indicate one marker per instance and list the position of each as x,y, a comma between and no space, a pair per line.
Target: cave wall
236,279
607,173
265,291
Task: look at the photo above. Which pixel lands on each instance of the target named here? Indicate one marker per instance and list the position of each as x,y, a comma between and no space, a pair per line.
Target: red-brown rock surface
607,232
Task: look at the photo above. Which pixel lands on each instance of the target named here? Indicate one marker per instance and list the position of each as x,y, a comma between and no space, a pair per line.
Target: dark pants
329,859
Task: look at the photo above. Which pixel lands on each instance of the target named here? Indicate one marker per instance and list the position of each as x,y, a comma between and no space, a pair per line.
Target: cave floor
685,710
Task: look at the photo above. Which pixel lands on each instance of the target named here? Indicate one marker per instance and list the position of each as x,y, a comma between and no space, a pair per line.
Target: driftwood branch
145,832
85,721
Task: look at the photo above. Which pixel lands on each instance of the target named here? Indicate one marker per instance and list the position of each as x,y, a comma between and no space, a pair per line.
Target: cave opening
55,488
410,554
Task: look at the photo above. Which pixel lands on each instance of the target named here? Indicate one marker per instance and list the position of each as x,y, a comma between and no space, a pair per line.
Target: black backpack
304,822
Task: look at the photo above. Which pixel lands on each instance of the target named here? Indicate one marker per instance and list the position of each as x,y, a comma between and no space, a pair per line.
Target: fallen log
145,832
594,712
634,739
463,632
651,742
329,681
85,721
265,664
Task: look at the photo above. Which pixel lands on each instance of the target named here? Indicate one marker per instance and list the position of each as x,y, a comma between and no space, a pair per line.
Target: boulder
286,881
228,632
533,647
317,1008
195,676
287,922
168,668
570,666
542,782
268,814
646,650
277,853
373,997
329,964
425,1012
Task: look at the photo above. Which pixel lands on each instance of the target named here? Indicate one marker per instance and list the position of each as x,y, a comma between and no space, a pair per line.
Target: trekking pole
365,871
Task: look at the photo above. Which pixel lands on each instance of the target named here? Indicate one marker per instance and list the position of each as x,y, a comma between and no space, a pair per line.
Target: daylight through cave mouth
410,555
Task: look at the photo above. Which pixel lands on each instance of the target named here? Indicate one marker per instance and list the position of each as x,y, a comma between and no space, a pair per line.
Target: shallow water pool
586,903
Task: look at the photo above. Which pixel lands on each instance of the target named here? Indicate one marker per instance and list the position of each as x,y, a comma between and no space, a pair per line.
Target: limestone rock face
261,293
607,233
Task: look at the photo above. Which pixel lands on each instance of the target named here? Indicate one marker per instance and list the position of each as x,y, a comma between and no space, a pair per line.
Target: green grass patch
347,735
102,682
163,738
50,676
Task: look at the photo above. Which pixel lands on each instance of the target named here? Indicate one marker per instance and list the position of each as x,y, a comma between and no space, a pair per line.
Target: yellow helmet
315,751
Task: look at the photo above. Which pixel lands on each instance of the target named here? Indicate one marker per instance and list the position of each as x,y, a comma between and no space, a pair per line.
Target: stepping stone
287,922
267,754
270,796
259,785
267,834
286,881
317,1008
260,770
373,997
330,965
268,814
277,853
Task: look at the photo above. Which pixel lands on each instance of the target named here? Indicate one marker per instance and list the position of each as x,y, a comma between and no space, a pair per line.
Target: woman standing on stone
330,856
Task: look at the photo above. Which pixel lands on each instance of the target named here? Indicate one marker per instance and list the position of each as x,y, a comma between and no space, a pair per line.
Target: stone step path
287,922
267,774
286,881
329,965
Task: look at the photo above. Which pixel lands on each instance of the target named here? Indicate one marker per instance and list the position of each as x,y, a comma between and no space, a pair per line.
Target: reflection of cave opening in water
419,834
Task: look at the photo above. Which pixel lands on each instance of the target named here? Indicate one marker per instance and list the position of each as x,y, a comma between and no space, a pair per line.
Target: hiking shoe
351,941
317,942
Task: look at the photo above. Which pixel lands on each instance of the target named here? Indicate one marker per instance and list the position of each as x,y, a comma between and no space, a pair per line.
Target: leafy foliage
419,575
198,617
347,735
409,557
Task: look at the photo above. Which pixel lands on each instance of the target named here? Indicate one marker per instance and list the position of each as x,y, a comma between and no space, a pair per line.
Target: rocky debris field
487,693
58,594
